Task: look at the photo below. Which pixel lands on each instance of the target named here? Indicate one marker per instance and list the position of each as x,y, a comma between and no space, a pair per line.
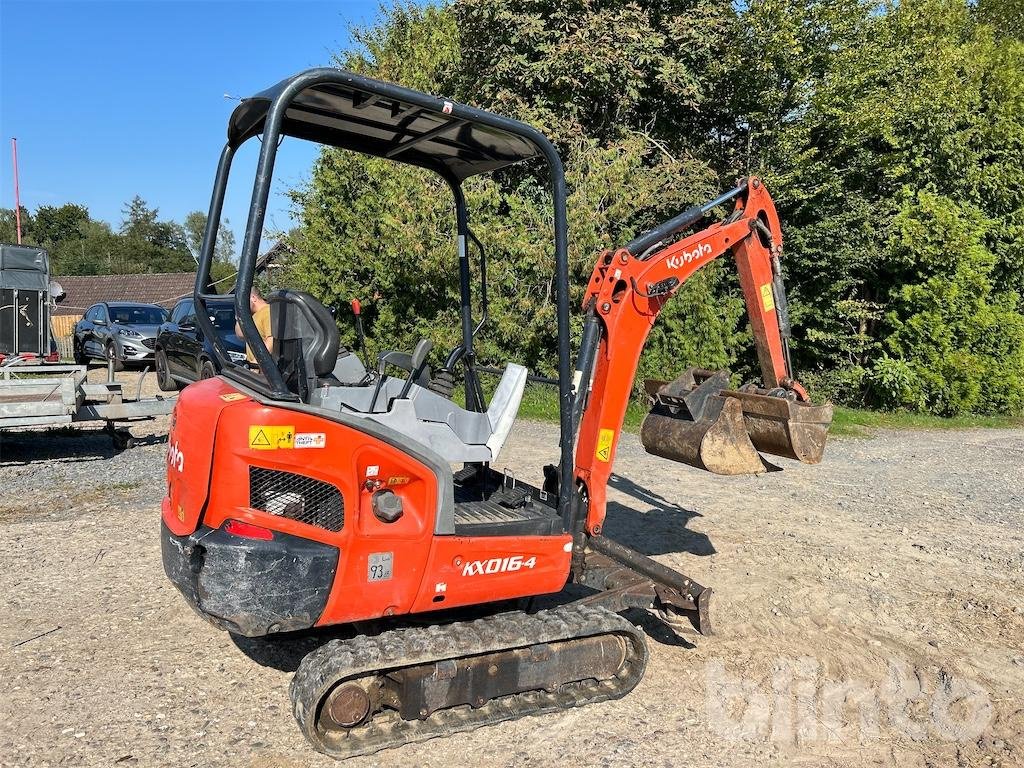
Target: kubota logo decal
684,258
175,457
498,565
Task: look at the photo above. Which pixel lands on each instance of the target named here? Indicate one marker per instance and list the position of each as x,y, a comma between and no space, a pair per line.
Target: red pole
17,197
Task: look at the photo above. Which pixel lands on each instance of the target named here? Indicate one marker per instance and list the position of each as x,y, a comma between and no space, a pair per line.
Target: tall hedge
892,137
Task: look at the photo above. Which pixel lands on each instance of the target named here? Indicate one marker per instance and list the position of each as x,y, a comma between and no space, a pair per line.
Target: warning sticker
605,438
270,438
232,397
767,297
310,440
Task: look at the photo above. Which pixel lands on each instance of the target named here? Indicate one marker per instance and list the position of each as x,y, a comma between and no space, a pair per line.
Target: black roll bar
272,132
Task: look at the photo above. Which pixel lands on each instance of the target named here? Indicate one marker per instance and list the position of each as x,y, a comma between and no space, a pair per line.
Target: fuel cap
387,506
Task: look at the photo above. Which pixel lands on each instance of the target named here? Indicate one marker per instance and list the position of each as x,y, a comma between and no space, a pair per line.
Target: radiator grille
296,497
151,343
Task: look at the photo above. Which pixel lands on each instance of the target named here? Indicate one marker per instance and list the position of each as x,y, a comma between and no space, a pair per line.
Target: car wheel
163,374
112,355
79,354
206,370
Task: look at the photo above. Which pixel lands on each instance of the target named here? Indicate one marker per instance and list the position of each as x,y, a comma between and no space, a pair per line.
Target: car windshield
223,317
138,315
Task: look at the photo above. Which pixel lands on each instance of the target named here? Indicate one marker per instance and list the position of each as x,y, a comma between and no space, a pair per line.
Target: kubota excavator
308,491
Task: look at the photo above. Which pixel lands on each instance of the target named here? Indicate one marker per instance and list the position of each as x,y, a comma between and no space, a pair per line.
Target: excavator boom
695,419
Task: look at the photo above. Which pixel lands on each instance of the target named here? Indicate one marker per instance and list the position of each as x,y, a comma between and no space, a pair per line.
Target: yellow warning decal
231,397
270,438
767,297
605,438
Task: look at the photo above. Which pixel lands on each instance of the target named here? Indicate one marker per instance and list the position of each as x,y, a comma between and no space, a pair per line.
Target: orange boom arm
627,292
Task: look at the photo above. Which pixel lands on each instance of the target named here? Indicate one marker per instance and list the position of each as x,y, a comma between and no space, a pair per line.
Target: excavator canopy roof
386,120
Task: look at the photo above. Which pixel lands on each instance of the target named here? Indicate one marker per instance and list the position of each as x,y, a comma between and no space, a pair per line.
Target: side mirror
99,322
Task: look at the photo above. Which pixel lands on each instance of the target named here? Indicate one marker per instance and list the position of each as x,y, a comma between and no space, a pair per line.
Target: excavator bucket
691,422
784,427
697,420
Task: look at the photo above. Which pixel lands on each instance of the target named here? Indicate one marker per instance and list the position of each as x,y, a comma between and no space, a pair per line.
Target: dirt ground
868,611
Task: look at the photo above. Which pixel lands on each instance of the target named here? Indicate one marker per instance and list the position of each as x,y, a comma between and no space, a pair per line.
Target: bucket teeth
697,420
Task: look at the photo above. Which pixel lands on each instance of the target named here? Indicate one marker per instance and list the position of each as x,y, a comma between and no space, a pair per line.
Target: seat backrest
306,340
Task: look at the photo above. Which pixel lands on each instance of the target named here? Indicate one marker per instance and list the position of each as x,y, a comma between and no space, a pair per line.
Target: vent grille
296,497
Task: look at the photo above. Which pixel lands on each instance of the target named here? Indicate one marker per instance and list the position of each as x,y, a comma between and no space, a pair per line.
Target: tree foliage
81,245
385,232
891,135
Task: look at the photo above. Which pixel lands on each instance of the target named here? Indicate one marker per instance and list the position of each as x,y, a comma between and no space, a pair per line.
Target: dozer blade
783,427
692,423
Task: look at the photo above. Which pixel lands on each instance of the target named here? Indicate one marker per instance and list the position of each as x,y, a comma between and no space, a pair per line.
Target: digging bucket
698,420
782,427
692,423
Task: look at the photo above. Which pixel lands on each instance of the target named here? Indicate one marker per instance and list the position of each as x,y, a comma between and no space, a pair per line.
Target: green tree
956,344
9,229
373,225
224,265
151,245
854,110
54,225
873,123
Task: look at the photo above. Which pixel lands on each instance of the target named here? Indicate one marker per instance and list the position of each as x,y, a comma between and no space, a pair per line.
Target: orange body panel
428,572
470,571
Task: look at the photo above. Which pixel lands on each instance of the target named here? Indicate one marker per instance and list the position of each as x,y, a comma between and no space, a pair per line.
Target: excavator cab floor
489,503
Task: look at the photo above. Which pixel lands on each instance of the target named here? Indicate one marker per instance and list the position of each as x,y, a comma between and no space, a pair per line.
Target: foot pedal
467,475
513,498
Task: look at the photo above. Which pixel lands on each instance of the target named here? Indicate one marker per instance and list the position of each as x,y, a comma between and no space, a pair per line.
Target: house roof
163,288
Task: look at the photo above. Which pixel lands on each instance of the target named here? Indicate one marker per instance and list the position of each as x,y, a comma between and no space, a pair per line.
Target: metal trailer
55,395
26,296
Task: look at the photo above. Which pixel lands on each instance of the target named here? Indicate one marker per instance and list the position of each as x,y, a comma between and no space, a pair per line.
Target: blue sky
113,99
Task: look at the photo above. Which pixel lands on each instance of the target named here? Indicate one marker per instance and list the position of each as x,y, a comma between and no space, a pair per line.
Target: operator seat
306,340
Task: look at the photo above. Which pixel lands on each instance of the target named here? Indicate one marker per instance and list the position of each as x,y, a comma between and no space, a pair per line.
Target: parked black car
183,354
121,331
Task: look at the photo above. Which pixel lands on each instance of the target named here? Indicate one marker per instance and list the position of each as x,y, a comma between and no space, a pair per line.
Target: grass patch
855,422
540,403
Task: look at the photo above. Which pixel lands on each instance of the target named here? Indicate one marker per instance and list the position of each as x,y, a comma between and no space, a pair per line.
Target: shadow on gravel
67,446
283,652
659,530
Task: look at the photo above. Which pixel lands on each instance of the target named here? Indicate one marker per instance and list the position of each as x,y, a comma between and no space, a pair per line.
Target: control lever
357,311
414,363
419,362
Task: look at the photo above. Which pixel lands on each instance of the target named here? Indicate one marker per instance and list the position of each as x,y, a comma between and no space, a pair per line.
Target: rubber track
337,660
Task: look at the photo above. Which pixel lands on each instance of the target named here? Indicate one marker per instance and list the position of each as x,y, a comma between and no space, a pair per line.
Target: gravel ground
868,611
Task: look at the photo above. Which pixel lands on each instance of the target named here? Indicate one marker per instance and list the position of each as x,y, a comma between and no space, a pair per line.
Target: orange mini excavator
309,491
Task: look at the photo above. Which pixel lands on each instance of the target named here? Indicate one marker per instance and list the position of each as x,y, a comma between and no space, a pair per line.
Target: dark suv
121,331
183,354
